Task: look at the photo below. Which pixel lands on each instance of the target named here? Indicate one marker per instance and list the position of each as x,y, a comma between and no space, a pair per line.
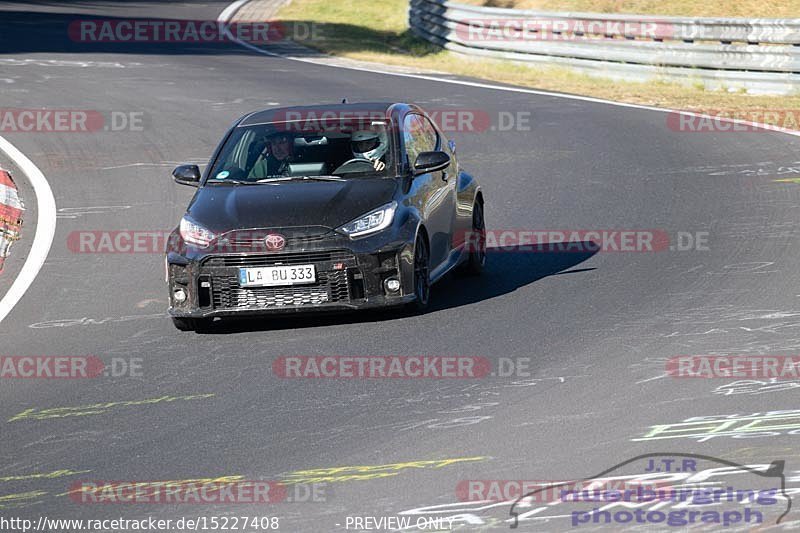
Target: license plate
277,276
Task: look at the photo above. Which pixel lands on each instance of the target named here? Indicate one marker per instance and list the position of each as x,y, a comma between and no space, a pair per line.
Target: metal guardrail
759,55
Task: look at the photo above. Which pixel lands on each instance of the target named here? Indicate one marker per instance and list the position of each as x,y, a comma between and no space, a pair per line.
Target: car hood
330,204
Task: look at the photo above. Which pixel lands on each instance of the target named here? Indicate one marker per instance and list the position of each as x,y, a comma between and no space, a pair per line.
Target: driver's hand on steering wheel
378,164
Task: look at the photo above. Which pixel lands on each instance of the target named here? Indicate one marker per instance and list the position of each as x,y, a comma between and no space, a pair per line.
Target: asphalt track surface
596,327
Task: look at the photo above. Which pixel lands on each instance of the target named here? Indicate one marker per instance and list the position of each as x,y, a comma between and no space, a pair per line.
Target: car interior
313,154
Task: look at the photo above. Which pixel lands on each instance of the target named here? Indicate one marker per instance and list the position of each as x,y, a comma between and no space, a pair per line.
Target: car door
445,201
434,192
462,217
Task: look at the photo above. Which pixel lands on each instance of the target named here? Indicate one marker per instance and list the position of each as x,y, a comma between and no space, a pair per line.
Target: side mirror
431,162
187,175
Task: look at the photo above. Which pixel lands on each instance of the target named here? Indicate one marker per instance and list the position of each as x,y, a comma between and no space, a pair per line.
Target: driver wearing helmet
370,145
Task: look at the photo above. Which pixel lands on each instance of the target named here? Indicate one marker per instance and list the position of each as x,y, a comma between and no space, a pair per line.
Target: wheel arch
479,197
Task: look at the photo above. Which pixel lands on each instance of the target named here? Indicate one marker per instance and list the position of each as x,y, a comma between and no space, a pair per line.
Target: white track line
45,228
231,10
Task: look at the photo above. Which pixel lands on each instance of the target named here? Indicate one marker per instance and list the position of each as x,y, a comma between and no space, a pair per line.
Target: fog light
392,285
179,295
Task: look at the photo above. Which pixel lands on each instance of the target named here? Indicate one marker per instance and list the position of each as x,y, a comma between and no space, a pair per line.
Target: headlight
194,233
374,221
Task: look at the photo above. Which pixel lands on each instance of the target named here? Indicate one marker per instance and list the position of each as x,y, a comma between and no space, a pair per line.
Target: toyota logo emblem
275,241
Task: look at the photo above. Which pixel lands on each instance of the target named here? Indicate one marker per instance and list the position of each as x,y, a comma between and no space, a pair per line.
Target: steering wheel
355,162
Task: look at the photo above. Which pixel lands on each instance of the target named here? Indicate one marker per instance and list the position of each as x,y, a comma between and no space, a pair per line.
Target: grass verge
378,31
680,8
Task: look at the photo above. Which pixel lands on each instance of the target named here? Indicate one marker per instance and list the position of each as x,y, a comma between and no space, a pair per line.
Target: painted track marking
45,227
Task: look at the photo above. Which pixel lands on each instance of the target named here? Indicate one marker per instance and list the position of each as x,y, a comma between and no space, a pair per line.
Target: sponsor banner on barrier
11,210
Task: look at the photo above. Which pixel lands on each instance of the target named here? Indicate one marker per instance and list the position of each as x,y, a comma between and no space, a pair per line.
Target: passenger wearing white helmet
370,145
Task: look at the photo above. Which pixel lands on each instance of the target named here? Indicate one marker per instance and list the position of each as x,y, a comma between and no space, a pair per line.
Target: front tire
422,276
191,324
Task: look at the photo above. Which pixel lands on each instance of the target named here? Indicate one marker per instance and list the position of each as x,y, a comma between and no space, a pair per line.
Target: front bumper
350,276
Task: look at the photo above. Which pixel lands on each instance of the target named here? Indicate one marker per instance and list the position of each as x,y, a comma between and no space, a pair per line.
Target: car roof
280,113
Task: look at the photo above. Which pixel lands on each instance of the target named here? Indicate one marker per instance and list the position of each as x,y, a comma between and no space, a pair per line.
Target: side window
418,135
431,137
411,137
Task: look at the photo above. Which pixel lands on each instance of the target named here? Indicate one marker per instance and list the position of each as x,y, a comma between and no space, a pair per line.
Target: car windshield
278,152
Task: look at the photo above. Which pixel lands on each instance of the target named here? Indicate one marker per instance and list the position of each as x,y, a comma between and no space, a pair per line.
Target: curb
45,227
11,210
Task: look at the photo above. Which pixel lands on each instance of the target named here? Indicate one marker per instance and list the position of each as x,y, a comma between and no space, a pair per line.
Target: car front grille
330,287
253,240
290,258
248,242
335,270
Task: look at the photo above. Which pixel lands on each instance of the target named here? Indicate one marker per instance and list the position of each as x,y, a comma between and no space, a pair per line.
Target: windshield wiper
303,178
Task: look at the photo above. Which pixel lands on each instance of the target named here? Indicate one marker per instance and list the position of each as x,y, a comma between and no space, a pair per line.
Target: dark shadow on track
53,32
26,32
505,273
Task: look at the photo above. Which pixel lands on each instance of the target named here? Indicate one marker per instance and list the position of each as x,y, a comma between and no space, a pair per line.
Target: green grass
378,31
688,8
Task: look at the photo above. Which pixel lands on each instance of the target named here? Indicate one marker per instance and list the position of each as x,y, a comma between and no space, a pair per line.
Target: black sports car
332,207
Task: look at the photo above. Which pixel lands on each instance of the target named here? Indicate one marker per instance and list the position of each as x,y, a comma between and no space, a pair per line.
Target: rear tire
476,262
